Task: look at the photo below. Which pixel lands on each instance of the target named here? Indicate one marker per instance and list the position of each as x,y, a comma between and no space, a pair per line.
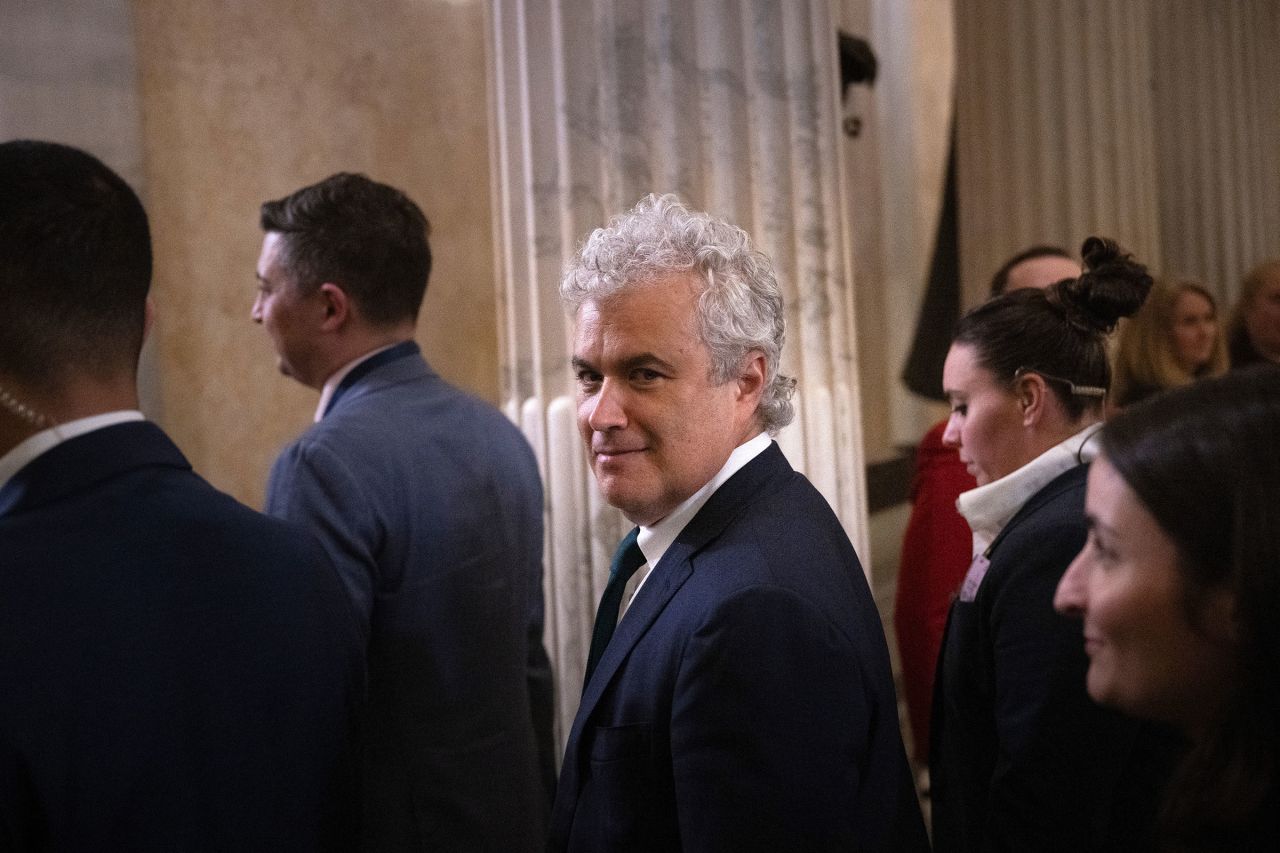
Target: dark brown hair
1060,332
1202,459
75,264
368,238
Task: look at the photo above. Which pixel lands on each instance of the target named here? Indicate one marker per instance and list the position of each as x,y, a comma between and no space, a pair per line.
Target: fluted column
731,104
1055,128
1216,71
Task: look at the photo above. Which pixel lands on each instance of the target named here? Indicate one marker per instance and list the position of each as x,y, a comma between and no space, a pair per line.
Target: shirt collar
42,442
331,384
989,508
656,539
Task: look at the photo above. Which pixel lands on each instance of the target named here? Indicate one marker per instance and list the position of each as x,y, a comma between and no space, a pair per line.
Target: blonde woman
1174,339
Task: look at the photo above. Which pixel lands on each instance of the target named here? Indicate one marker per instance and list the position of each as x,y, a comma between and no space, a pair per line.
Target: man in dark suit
430,503
745,700
177,672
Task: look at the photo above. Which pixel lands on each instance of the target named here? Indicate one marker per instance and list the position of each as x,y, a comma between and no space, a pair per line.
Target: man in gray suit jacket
430,503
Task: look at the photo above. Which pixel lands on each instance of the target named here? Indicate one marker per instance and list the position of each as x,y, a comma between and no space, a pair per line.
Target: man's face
289,317
1042,272
656,428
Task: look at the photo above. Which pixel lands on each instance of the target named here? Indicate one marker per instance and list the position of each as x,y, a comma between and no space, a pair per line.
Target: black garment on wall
940,310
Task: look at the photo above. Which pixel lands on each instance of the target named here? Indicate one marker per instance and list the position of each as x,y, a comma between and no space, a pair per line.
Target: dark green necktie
626,560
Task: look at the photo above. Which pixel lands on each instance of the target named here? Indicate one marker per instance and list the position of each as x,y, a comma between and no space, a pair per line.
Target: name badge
973,578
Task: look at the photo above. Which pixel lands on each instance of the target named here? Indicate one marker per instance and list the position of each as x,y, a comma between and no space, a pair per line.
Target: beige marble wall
247,100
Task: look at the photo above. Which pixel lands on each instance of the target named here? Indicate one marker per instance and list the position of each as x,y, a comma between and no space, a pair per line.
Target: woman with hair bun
1173,340
1022,759
1178,588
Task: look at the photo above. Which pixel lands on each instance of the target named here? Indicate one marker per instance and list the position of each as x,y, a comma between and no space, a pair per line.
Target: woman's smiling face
1145,655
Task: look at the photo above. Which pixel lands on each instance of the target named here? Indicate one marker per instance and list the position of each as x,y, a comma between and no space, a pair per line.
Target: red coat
936,551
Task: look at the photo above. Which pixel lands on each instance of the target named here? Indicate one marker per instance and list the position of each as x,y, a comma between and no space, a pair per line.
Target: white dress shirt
45,440
331,384
656,539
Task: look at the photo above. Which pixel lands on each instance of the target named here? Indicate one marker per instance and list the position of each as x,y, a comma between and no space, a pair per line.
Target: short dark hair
1202,460
367,237
75,264
1060,332
1000,281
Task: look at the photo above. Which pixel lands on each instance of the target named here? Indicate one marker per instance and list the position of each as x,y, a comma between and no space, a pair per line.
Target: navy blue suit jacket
745,702
176,671
430,503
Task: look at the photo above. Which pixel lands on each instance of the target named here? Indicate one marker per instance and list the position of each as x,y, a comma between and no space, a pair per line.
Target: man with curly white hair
743,701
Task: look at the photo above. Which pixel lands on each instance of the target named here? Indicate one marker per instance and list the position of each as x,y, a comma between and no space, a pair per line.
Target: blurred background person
1254,333
1172,340
1179,592
936,543
1036,266
1021,758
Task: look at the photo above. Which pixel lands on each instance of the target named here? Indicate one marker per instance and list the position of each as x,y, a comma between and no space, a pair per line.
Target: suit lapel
80,462
676,566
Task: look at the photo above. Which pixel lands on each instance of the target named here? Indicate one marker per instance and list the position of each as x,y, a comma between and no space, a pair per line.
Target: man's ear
336,305
751,376
1032,392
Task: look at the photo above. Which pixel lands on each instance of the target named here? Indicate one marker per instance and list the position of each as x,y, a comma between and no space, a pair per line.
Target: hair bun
1113,285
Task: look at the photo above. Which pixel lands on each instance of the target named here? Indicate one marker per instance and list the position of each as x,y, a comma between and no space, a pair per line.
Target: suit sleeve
764,722
1059,753
538,677
313,487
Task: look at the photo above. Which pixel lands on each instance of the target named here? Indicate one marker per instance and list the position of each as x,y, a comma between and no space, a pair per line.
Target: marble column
1055,129
731,104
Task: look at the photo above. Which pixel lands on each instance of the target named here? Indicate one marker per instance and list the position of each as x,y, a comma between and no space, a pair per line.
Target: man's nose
608,410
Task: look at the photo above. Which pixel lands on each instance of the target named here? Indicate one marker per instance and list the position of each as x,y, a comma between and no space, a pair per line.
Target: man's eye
959,409
644,374
588,377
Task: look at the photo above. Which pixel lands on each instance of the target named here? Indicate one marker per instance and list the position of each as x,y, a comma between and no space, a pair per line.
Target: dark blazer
745,702
176,671
430,503
1022,758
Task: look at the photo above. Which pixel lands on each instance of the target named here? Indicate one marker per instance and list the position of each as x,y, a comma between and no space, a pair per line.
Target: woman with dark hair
1022,759
935,544
1179,589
